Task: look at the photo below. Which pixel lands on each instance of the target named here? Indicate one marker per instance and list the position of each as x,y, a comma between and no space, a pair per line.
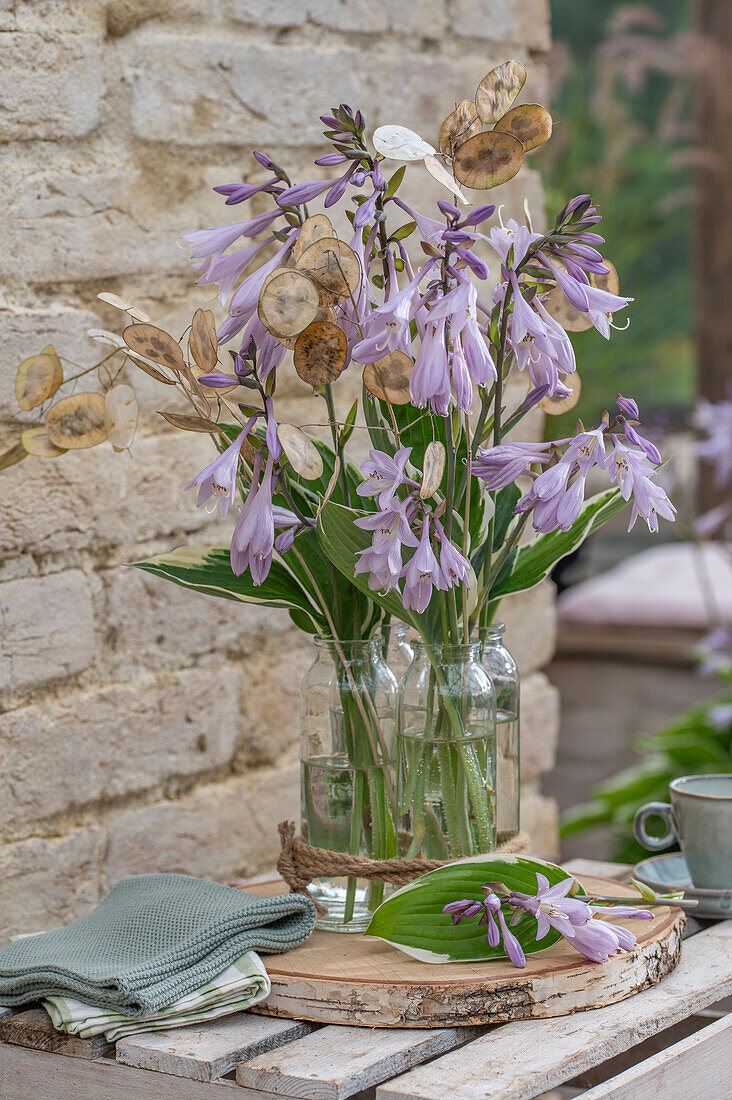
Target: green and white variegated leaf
411,919
537,558
208,570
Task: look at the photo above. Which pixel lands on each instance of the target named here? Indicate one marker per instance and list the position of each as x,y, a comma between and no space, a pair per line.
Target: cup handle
655,809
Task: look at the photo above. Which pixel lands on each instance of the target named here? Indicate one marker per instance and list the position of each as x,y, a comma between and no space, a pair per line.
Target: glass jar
501,667
347,795
396,647
446,735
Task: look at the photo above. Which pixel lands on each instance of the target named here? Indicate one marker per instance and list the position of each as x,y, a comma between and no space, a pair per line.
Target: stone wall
142,727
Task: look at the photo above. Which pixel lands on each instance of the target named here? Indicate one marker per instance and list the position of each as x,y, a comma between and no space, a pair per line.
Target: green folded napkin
154,939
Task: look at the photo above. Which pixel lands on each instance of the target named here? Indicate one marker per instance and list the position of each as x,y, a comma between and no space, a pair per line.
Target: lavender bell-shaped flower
253,540
384,475
422,573
217,481
429,382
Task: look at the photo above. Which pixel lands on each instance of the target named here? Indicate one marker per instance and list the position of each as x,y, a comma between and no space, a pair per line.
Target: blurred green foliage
621,105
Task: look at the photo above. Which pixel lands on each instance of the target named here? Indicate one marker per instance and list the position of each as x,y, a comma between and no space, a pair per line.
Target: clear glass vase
502,669
446,736
347,794
396,647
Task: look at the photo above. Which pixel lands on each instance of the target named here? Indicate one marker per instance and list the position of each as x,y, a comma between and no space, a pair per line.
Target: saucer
669,872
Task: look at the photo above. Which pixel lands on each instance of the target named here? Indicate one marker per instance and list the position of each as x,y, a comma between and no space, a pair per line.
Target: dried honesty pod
156,344
120,415
335,268
530,123
77,421
301,452
388,378
116,341
288,302
12,456
120,303
459,125
202,342
38,378
321,353
433,469
488,159
441,174
555,406
37,442
312,229
190,423
497,91
399,143
609,281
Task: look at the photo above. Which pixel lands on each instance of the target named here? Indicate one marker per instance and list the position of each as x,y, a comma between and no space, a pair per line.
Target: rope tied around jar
299,863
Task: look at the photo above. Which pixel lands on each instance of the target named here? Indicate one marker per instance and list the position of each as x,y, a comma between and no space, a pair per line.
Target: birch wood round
352,979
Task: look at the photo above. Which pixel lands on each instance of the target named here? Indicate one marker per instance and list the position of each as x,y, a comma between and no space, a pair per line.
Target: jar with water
446,736
502,669
348,798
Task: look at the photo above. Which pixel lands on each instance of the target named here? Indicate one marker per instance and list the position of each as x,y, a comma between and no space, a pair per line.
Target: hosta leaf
412,920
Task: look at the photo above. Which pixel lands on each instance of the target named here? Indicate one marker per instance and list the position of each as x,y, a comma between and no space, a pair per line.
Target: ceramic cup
700,819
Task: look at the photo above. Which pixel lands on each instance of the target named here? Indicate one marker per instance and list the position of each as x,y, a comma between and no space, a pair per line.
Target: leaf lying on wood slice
120,415
459,125
400,143
37,442
334,267
441,174
411,919
301,452
432,470
288,303
77,421
388,378
38,378
488,159
530,123
156,344
497,91
13,455
190,423
126,307
312,229
555,406
320,353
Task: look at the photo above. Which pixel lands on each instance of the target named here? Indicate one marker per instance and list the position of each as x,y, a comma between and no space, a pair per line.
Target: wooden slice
352,979
530,123
320,353
488,159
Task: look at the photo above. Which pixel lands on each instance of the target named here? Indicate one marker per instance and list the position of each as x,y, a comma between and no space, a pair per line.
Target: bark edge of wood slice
351,979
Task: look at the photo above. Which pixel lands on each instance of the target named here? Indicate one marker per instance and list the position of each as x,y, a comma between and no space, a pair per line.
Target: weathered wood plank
337,1062
523,1059
36,1075
33,1028
697,1066
212,1049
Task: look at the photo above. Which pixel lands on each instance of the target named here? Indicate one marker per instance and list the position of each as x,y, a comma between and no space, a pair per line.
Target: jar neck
348,649
397,631
447,653
492,635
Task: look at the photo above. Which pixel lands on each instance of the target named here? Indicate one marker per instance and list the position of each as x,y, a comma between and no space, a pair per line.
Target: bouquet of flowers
451,511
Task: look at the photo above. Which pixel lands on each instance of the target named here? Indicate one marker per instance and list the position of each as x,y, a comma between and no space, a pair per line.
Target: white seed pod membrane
37,442
38,378
301,452
399,143
498,89
120,416
288,303
434,468
77,421
441,174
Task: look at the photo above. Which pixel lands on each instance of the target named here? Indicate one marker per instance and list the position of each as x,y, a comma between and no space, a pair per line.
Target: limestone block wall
142,727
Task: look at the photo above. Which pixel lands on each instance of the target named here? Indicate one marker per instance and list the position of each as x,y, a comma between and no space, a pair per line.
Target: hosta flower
387,327
226,270
291,525
503,238
715,421
499,466
212,243
217,481
253,540
384,475
489,908
392,531
429,382
422,573
454,567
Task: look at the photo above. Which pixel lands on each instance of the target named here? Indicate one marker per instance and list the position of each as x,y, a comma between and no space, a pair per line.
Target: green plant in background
624,138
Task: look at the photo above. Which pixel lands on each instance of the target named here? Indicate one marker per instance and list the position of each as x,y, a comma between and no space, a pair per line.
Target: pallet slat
697,1066
523,1059
337,1062
210,1050
33,1028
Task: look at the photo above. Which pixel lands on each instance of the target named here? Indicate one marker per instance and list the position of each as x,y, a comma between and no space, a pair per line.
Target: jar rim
495,630
322,641
447,650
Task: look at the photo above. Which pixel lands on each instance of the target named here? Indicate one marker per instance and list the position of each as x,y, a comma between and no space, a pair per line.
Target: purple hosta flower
628,407
387,327
252,543
599,305
631,471
422,573
430,231
212,243
503,238
476,216
392,531
301,193
331,159
490,905
499,466
556,502
286,519
460,306
240,192
384,475
274,447
715,421
455,568
525,321
715,651
429,382
650,450
463,910
720,717
226,270
217,481
650,501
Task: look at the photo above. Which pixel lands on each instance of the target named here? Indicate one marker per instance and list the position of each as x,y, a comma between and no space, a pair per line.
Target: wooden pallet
661,1042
